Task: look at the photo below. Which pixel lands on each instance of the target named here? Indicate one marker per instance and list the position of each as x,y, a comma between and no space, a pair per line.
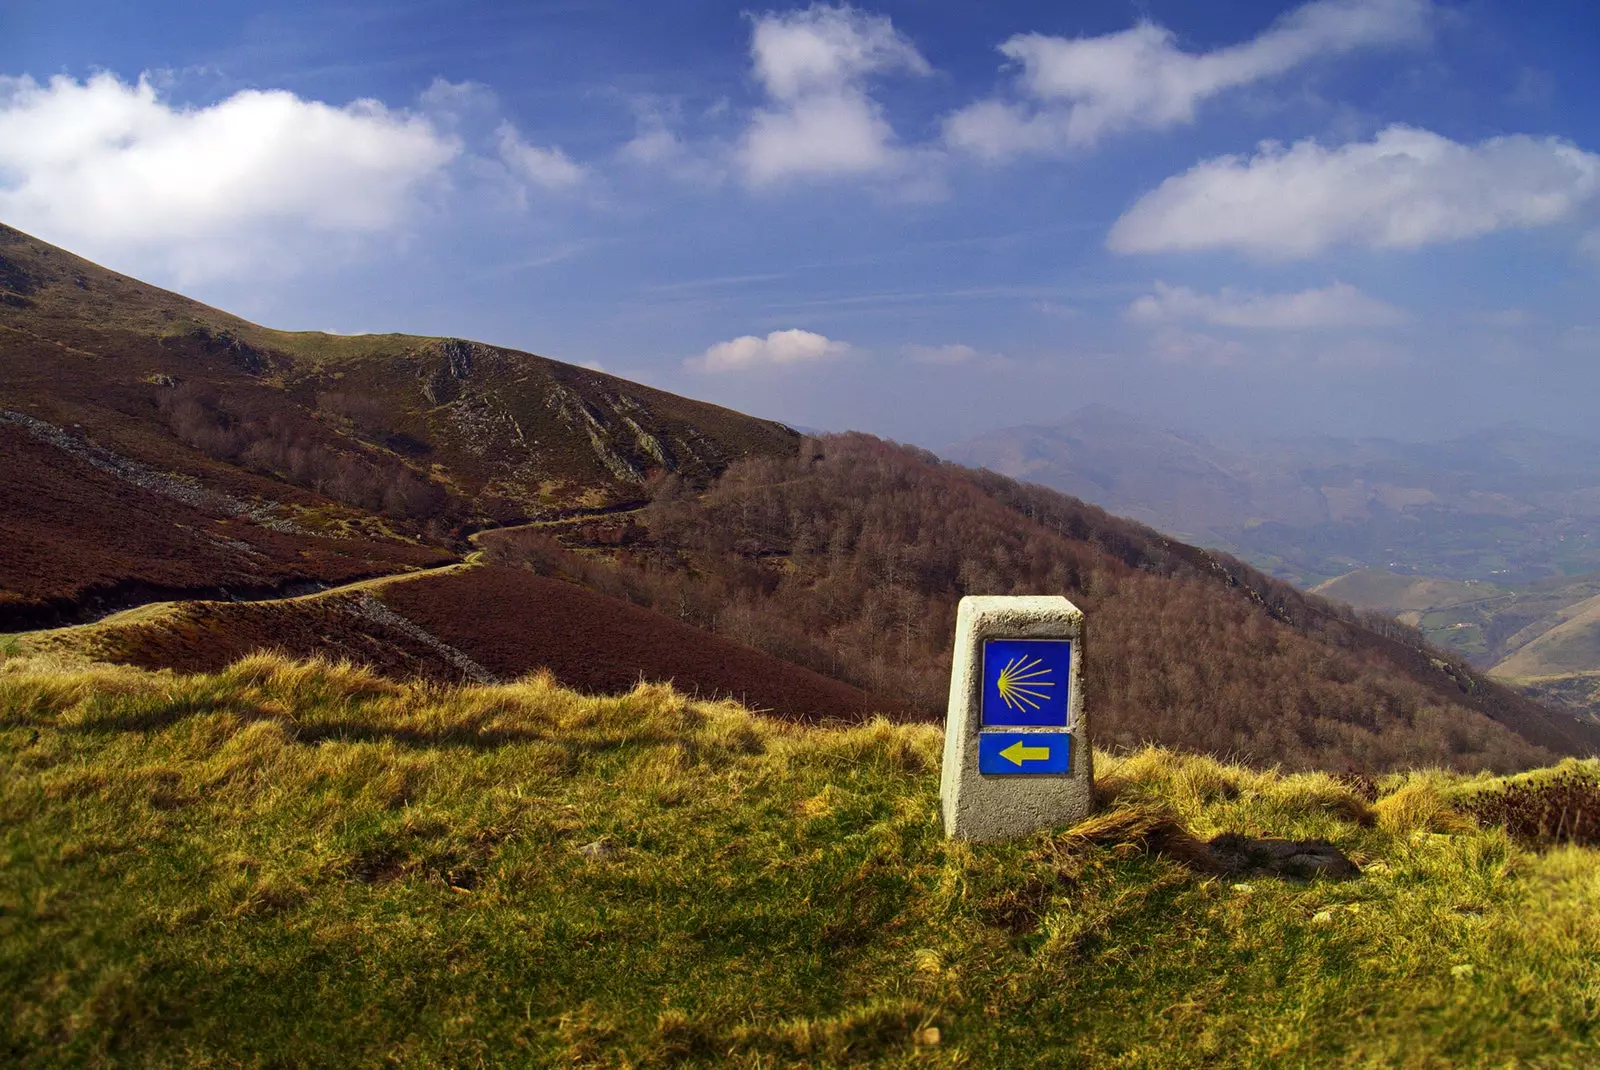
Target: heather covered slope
469,622
381,439
290,864
80,535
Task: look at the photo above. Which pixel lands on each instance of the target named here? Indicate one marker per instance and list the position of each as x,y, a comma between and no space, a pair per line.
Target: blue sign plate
1002,753
1025,682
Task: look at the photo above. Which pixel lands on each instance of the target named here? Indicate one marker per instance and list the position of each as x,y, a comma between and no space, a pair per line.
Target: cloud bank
1075,91
1404,189
549,168
820,120
261,182
1338,305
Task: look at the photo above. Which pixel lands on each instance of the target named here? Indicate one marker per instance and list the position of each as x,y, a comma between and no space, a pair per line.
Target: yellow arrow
1020,752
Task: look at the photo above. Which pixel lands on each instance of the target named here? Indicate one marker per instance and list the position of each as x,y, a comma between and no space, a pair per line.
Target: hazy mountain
1507,505
1486,543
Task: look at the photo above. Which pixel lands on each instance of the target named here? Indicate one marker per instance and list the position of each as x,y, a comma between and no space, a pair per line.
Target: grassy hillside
167,451
1570,645
288,864
1392,592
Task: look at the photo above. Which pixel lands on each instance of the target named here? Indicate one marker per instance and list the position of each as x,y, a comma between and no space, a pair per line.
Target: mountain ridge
170,447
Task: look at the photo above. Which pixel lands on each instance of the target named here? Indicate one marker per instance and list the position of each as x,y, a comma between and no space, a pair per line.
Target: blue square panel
1025,682
1013,753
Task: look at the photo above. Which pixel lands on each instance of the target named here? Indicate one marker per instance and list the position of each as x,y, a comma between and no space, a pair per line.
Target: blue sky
923,220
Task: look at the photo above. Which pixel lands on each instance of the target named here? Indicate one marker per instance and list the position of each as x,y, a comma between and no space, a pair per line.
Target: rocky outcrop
448,363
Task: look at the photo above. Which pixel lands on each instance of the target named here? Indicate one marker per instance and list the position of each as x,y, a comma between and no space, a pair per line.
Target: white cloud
793,346
657,147
1173,345
549,168
1338,305
813,65
450,104
114,171
1076,90
1404,189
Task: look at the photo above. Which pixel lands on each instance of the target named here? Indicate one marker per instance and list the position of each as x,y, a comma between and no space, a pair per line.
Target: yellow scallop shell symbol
1022,683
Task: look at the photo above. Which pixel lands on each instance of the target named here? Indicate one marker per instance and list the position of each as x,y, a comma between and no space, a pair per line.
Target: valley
1488,544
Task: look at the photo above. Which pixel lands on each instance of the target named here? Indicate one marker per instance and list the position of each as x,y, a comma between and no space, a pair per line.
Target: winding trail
38,639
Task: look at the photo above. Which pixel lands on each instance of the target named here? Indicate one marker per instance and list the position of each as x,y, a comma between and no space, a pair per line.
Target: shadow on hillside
465,736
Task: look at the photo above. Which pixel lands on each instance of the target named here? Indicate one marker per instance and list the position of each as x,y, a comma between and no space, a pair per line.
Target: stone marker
1016,743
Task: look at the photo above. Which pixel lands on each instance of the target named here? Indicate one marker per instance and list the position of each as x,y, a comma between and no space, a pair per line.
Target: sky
925,219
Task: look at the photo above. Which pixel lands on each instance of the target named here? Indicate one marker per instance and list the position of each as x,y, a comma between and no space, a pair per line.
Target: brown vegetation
273,441
210,636
75,540
515,622
847,560
1562,809
850,560
506,621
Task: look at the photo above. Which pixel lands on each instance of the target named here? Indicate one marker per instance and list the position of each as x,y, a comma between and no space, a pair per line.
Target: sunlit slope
1390,592
1563,661
504,429
465,623
1568,647
1544,639
289,864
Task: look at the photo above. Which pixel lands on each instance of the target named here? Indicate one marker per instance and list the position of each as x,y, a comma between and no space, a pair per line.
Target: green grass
302,865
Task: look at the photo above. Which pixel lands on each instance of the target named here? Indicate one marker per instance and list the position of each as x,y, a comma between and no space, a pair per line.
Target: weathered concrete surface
980,807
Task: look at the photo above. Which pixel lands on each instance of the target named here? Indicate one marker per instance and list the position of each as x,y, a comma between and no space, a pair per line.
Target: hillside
850,559
462,623
294,864
1562,659
171,453
1543,638
254,441
1392,592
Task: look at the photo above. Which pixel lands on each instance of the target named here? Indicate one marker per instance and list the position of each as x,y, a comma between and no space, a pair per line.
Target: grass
290,864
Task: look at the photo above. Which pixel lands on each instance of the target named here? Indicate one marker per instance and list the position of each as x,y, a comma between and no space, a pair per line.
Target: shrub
1564,809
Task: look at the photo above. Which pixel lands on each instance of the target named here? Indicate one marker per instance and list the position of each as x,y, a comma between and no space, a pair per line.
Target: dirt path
151,612
154,611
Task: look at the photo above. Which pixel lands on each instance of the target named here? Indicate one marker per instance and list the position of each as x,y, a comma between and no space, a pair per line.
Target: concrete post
1016,741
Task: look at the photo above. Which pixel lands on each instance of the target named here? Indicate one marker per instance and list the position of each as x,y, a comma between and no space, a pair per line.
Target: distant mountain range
1511,505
